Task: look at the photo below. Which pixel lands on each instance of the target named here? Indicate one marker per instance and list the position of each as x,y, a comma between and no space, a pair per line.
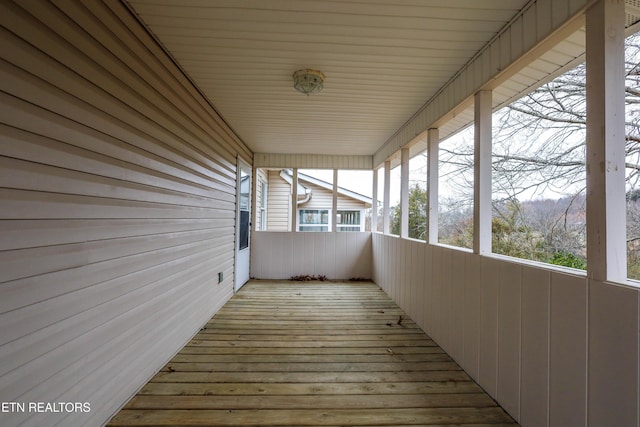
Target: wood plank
317,389
452,400
291,338
311,343
318,328
310,417
344,367
310,350
305,377
312,358
308,367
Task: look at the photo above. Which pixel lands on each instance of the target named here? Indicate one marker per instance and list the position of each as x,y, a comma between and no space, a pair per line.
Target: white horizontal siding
117,201
278,202
322,198
553,348
260,200
281,255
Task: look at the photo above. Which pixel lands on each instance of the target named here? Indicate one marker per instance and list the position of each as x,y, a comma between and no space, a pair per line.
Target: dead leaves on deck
323,278
308,278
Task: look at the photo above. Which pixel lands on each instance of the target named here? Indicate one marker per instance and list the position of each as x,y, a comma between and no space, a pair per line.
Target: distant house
314,205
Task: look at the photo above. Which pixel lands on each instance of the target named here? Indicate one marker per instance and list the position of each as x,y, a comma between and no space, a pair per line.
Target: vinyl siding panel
278,203
322,198
117,196
568,351
613,323
281,255
261,201
554,348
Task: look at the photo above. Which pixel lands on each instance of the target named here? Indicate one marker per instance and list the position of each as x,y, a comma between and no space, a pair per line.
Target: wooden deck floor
311,354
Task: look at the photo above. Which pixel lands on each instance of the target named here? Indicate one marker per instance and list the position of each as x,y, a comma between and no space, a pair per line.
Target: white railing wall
282,255
552,347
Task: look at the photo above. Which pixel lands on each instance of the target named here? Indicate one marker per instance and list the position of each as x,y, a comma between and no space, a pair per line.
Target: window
313,220
315,197
632,149
539,174
354,200
273,199
349,221
455,193
380,199
262,206
418,196
394,200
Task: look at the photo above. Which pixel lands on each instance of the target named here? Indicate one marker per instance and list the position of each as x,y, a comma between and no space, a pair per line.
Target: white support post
294,200
386,218
404,193
334,203
606,234
433,145
482,174
374,202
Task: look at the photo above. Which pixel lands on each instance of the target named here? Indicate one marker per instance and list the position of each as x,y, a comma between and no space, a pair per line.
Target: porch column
482,173
374,202
294,200
404,193
387,194
334,203
433,149
606,218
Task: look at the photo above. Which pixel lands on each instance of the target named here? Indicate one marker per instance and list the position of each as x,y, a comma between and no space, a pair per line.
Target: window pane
262,205
394,201
632,65
315,198
273,199
455,189
348,221
418,196
354,200
313,216
313,228
539,174
380,197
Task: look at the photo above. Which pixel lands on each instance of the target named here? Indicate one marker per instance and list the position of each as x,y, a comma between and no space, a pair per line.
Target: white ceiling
383,59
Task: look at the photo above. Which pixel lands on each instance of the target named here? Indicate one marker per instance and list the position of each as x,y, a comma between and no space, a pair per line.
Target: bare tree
539,152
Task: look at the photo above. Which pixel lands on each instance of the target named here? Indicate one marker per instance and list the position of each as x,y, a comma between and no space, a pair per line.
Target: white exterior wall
529,335
321,198
261,179
281,255
117,201
278,202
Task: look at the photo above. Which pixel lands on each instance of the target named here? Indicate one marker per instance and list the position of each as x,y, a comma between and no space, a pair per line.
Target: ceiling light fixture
308,81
